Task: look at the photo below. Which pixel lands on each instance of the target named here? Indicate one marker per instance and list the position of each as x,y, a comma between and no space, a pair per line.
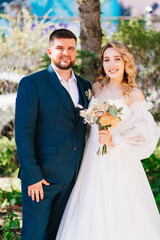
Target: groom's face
62,52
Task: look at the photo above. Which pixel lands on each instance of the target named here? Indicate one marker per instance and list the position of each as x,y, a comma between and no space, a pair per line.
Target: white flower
83,113
89,94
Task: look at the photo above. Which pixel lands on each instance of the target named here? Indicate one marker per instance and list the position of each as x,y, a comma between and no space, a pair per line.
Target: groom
50,137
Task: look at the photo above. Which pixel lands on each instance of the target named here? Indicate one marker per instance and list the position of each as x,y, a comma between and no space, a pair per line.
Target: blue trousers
41,220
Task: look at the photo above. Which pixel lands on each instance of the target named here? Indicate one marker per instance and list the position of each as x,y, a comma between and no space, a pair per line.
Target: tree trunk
91,33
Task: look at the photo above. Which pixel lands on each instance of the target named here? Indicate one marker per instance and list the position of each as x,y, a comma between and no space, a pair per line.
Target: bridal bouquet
105,115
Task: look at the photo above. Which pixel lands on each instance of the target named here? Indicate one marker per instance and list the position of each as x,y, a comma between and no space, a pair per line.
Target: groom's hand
35,191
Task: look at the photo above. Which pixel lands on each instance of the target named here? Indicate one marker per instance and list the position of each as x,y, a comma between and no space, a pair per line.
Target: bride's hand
105,138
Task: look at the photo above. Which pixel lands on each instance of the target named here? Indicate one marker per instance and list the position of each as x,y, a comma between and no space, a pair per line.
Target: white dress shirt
70,86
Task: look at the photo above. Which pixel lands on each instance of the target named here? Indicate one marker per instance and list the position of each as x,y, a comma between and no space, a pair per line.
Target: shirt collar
73,77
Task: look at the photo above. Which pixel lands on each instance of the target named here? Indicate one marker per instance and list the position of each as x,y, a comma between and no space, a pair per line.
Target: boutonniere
89,94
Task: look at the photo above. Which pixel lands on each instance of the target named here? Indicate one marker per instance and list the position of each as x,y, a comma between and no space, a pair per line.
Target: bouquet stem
102,150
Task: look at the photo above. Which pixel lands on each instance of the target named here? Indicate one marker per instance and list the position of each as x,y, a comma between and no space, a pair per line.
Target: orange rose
115,122
107,119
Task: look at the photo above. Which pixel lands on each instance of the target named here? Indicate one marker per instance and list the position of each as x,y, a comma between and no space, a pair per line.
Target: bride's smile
113,64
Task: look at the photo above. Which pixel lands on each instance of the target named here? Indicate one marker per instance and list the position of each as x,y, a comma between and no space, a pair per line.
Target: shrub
8,161
10,225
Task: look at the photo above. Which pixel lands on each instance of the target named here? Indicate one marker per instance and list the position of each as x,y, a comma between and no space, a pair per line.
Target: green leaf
120,109
5,235
10,236
112,112
16,223
6,224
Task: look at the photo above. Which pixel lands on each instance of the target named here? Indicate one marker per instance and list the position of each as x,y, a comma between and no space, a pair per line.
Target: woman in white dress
112,198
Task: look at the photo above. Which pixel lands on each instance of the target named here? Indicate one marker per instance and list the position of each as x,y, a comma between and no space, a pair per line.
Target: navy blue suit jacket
49,132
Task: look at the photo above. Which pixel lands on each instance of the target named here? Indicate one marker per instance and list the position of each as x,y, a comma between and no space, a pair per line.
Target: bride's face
113,64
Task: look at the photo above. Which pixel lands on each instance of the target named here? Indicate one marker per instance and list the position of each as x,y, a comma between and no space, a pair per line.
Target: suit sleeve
25,126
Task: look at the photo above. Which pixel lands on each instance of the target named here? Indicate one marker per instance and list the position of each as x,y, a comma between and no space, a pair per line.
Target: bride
112,199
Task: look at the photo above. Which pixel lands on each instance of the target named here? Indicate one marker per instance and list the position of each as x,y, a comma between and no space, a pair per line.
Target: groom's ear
49,51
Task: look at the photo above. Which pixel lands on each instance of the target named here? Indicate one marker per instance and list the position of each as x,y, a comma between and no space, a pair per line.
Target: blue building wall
110,8
59,8
68,8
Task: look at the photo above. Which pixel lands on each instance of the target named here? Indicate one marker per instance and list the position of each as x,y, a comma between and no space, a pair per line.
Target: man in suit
50,137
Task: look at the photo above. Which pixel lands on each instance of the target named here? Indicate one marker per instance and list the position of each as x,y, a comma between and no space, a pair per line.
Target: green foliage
10,198
145,45
152,169
10,225
45,61
7,155
86,65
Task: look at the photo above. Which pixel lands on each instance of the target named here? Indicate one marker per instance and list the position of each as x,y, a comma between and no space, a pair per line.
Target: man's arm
25,125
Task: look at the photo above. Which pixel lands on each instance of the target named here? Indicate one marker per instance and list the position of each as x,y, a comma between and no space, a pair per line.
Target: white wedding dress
112,198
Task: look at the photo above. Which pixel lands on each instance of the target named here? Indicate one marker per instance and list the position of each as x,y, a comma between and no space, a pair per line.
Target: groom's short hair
61,33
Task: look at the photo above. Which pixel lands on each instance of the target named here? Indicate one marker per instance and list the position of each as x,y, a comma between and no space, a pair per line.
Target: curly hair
128,82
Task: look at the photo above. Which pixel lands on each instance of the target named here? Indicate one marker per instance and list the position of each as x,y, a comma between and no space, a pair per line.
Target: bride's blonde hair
128,82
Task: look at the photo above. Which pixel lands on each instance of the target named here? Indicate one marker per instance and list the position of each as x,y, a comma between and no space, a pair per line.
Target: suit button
74,148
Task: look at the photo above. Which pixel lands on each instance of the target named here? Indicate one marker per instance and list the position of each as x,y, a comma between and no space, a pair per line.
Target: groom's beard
65,67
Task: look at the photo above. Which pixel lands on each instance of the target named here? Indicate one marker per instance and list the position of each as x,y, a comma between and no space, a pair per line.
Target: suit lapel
81,91
60,91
